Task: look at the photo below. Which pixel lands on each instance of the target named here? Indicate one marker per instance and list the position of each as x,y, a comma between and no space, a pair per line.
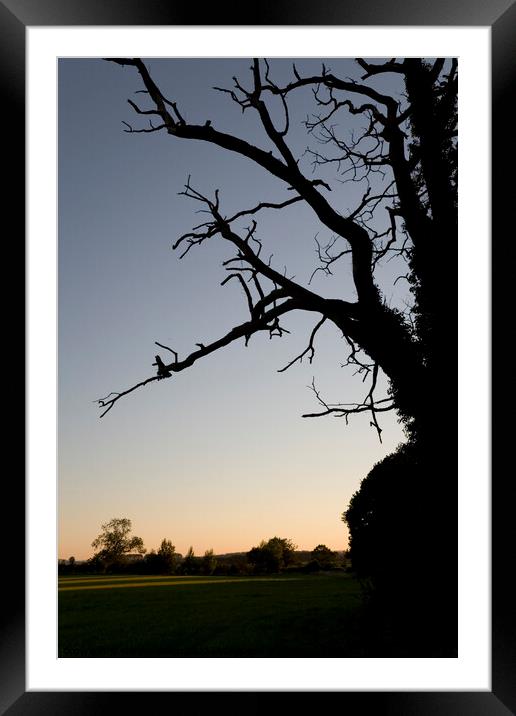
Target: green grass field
138,616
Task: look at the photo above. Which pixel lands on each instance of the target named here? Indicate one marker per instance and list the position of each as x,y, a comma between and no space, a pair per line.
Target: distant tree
258,557
346,560
96,565
272,556
71,561
152,563
324,556
285,547
233,564
167,556
209,562
190,564
114,541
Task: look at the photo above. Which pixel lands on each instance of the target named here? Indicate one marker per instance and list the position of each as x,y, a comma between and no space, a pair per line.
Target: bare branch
267,321
308,299
131,130
109,402
326,258
344,410
244,286
332,82
391,66
264,205
287,170
167,348
309,349
370,400
378,147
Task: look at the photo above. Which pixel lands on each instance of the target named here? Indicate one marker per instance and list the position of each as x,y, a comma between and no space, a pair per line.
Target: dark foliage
191,564
403,548
272,556
324,557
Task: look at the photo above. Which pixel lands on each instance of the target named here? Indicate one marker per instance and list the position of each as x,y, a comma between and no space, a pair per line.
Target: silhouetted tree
391,552
412,141
209,562
167,556
324,556
190,564
232,564
96,565
258,557
285,547
272,556
405,157
379,518
152,564
114,541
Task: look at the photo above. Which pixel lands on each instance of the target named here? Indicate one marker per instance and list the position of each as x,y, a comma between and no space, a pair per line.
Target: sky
217,457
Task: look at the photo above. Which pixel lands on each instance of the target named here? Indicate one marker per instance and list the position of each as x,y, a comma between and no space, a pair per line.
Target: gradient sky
217,456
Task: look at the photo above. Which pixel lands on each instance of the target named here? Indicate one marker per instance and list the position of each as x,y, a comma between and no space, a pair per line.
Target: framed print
73,67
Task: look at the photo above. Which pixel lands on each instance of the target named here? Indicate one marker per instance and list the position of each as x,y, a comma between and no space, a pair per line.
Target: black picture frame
500,16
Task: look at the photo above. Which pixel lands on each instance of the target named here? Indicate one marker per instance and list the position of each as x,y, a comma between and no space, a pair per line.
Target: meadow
317,615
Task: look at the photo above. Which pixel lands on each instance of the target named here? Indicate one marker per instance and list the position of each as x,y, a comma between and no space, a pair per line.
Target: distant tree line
119,553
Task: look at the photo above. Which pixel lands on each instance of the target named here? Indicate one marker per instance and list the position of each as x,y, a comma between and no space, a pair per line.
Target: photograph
262,263
257,328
